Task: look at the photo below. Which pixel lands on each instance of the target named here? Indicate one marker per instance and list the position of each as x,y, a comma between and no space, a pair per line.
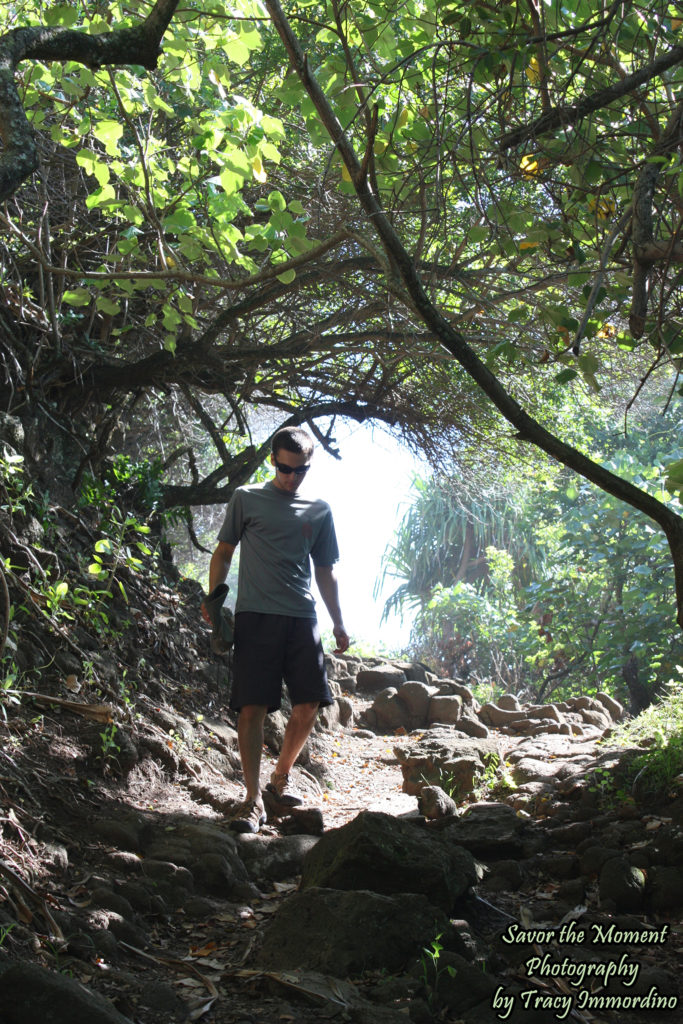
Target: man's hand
343,640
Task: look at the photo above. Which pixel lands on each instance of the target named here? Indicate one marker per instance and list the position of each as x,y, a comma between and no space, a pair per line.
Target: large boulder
490,831
346,933
446,709
415,697
371,680
444,758
387,713
390,855
33,995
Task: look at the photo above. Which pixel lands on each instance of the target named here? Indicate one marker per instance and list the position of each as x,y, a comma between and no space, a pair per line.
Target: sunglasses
286,470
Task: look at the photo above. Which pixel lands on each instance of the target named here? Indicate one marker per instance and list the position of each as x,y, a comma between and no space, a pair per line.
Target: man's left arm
326,580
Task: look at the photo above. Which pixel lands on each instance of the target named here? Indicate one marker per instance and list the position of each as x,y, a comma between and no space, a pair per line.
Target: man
276,632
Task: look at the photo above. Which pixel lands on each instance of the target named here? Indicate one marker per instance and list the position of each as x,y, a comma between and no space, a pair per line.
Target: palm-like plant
443,537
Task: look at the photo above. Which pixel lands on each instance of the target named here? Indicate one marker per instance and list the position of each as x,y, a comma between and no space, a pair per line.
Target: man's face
283,460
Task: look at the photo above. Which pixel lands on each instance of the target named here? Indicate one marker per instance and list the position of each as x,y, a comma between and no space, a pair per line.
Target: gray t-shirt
279,533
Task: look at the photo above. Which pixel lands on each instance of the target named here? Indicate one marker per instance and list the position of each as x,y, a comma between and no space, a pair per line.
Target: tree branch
563,117
138,44
528,429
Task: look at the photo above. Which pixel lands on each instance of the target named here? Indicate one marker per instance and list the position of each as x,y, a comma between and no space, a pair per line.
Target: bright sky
369,491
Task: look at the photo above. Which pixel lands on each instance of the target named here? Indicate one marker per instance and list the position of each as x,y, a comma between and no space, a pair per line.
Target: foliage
432,972
470,192
494,779
651,768
72,586
596,592
109,747
655,771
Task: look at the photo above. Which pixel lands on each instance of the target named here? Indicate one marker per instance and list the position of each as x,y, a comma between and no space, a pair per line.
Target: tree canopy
334,210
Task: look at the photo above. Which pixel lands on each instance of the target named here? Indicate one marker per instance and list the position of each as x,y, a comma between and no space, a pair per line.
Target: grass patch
659,728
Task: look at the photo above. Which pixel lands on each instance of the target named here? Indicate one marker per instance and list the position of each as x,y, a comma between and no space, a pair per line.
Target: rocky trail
454,862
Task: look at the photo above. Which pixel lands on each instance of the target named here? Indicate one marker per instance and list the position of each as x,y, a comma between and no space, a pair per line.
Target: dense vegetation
538,586
459,220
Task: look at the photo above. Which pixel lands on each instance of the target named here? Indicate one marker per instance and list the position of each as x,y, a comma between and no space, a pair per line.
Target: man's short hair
293,439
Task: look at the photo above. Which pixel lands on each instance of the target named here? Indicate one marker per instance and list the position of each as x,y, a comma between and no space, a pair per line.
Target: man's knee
251,713
306,710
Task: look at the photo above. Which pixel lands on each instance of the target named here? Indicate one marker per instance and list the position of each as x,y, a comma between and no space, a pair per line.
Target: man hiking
276,630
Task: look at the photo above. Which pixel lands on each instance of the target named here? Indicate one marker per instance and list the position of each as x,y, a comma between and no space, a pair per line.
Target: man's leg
298,730
250,740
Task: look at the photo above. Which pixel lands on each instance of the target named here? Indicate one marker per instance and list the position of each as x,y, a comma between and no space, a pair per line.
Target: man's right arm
219,566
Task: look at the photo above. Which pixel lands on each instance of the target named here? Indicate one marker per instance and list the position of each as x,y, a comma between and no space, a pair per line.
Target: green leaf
77,297
287,277
61,14
109,133
101,197
86,159
106,305
276,201
237,51
564,376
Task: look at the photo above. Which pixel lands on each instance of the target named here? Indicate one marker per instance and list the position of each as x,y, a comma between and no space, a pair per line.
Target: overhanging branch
138,44
569,114
528,429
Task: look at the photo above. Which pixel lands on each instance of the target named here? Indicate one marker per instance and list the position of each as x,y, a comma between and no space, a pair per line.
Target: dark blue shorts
270,649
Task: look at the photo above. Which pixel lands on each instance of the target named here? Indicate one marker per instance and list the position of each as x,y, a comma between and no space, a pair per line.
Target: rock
390,714
334,667
390,855
303,821
452,981
414,671
415,697
345,711
508,702
346,933
561,865
533,770
445,709
454,688
592,857
472,727
544,711
328,717
495,716
214,874
33,995
123,834
160,997
125,931
371,680
443,757
504,875
109,900
138,896
490,831
621,886
598,719
163,871
434,803
613,708
665,885
272,858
